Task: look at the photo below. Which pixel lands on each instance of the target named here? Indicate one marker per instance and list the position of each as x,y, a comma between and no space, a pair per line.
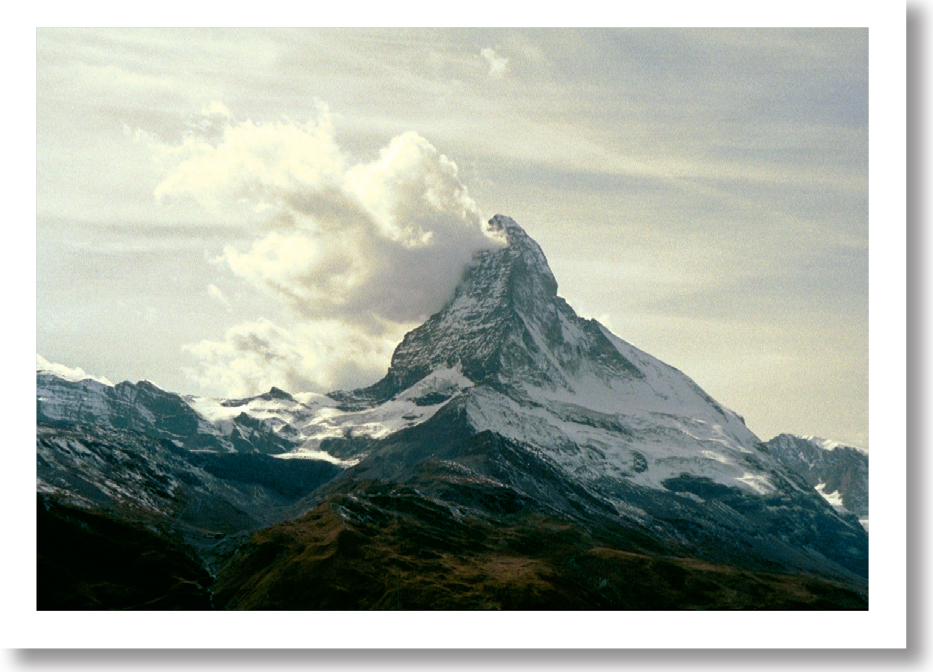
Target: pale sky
220,211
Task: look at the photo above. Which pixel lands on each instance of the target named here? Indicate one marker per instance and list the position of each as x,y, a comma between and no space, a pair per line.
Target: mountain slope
514,455
539,373
145,408
838,472
546,416
91,560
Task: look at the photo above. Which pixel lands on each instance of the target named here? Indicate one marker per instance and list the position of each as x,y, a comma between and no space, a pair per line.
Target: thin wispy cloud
497,64
218,295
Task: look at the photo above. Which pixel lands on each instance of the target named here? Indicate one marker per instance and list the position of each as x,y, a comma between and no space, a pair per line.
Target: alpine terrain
514,456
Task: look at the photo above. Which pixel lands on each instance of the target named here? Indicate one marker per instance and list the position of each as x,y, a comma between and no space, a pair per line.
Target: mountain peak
521,249
504,325
276,393
506,225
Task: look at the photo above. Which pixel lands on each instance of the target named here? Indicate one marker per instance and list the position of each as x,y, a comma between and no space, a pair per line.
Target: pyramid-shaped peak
505,326
522,248
505,223
514,234
276,393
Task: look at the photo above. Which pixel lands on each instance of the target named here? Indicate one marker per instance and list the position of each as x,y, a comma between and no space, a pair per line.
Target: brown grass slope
350,555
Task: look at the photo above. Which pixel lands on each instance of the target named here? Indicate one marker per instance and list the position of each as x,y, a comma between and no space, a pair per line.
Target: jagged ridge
840,470
505,323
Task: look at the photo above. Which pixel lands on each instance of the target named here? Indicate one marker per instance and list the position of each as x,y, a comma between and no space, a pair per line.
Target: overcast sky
220,211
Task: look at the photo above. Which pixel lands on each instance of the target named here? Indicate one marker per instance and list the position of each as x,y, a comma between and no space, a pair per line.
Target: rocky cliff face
144,408
838,472
505,327
539,374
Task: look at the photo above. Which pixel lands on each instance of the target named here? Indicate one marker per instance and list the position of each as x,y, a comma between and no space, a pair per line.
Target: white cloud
369,247
220,161
497,63
218,295
67,372
319,356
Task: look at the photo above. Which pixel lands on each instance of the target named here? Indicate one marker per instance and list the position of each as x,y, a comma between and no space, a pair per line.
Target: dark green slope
91,560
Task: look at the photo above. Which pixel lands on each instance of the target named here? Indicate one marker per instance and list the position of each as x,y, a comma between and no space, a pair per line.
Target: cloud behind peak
375,246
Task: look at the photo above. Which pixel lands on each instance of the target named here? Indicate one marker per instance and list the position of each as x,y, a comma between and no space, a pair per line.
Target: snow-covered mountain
504,410
529,369
838,472
145,408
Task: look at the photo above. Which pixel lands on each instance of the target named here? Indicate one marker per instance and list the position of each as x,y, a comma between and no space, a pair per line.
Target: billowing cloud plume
358,250
497,63
318,355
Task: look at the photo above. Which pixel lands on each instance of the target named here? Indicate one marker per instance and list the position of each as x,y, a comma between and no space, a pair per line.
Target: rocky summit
514,456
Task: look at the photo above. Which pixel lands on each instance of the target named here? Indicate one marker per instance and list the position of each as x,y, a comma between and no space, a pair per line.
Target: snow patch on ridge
410,407
829,444
645,449
757,482
74,375
276,410
317,455
834,498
